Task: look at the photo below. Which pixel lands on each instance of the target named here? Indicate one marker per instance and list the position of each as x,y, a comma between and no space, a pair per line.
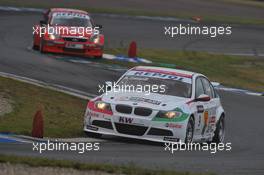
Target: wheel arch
219,113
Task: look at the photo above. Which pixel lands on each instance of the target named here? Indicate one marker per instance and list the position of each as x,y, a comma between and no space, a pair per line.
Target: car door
200,116
210,108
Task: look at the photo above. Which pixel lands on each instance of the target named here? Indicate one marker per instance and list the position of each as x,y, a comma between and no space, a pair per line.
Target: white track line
16,139
242,91
240,54
59,88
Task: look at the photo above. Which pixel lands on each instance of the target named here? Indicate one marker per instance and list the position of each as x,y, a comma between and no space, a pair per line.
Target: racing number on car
200,108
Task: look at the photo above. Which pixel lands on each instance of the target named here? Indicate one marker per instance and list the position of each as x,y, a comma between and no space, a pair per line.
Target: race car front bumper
144,130
83,49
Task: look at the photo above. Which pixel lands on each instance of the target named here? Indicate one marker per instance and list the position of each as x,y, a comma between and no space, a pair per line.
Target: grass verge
126,170
59,110
234,71
210,18
254,3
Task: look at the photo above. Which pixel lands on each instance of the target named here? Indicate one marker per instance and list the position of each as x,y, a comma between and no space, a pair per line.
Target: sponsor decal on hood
153,101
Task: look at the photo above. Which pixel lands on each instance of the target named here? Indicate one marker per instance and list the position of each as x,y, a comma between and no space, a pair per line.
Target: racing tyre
98,57
189,130
93,135
41,46
35,47
219,134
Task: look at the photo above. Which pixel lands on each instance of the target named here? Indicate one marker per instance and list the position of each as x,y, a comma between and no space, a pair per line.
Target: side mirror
99,26
215,84
108,85
42,22
203,98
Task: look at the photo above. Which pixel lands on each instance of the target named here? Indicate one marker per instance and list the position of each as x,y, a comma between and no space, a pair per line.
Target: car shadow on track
124,140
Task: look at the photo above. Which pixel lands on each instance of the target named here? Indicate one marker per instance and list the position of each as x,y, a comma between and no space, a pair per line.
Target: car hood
153,100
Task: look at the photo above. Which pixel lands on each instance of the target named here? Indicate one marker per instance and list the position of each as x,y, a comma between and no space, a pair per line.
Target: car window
71,19
199,90
213,91
207,88
171,87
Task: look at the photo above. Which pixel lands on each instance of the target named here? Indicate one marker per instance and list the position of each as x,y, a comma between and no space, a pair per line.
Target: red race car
68,31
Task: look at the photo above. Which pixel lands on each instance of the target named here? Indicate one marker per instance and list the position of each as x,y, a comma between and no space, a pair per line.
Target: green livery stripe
177,119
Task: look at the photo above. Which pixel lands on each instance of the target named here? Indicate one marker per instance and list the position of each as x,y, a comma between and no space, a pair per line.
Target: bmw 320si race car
186,108
68,31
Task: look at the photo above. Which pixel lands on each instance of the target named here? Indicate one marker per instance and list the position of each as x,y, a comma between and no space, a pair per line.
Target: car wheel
93,135
35,47
219,134
41,46
189,130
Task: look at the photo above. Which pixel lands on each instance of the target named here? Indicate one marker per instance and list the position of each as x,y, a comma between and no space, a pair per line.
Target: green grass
113,169
63,114
254,3
234,71
210,18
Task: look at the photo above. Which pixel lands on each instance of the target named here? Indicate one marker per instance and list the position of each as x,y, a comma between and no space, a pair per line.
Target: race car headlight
95,39
98,105
103,106
53,36
169,114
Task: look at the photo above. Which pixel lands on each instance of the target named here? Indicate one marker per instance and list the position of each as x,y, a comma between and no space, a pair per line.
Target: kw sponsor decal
125,120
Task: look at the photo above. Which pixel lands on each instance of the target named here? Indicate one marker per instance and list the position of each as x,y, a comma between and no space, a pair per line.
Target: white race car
158,104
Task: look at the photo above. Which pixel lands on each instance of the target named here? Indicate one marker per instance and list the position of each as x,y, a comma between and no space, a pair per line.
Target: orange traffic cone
38,125
197,18
132,51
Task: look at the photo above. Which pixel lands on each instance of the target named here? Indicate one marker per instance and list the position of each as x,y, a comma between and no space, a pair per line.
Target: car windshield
71,19
172,87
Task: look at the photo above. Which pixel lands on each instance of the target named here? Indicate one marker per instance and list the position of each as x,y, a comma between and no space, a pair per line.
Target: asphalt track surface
244,113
